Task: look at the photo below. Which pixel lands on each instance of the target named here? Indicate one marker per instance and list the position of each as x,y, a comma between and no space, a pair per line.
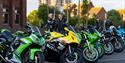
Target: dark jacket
60,25
51,25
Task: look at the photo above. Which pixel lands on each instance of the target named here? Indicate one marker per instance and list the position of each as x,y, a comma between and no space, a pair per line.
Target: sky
107,4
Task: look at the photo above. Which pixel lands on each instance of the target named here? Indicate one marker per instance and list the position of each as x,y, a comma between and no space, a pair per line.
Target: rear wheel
118,45
100,49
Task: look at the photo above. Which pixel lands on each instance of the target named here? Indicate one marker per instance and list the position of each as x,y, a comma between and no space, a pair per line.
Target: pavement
113,58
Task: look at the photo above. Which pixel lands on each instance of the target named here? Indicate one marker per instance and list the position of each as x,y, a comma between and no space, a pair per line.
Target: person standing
61,23
51,23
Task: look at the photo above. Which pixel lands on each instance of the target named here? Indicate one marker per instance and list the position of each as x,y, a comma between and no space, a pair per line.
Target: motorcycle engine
55,45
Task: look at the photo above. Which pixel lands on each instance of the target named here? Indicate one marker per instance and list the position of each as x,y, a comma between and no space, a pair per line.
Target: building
122,13
81,7
58,3
74,9
97,12
12,14
93,11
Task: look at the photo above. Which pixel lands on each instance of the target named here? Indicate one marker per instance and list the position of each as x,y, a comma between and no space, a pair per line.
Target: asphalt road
114,58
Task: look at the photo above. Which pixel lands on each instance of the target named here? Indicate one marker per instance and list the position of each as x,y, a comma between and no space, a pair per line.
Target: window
0,7
62,2
17,17
5,16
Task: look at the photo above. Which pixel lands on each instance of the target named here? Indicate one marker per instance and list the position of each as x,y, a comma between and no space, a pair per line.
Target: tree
84,16
33,18
114,16
85,6
73,20
43,12
92,21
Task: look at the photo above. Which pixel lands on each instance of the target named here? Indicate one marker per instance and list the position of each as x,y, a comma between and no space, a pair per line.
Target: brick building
98,13
12,14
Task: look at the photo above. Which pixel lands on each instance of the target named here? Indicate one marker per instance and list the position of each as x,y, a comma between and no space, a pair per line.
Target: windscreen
35,29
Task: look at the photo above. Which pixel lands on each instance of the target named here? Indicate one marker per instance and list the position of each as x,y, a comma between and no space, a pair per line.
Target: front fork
3,58
70,50
33,51
88,43
116,40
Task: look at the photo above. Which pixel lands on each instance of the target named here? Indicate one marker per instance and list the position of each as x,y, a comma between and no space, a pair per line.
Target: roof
121,11
123,16
95,10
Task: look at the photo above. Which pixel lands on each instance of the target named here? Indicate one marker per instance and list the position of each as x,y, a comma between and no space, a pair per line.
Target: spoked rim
118,45
72,58
108,48
91,55
100,50
37,59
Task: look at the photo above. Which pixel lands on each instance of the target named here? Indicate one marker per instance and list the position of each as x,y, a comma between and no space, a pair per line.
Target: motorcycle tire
39,58
118,46
109,49
92,56
100,50
77,57
122,42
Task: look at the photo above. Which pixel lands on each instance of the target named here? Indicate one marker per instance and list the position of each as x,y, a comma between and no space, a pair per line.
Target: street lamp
55,8
68,11
47,6
79,11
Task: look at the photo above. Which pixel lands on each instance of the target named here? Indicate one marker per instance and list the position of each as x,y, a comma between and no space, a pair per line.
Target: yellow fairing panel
56,34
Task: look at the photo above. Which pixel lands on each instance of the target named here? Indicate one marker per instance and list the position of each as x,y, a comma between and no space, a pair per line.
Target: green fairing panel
92,37
32,53
21,49
42,41
79,36
20,34
26,40
39,41
91,46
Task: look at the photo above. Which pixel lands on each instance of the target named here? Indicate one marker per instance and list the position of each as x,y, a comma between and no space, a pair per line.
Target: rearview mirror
66,29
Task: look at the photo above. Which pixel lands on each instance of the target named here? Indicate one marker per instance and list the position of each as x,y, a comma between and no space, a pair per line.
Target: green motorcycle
29,49
92,48
96,38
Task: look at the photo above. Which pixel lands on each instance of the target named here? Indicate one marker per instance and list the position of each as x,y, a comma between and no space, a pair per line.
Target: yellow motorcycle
66,46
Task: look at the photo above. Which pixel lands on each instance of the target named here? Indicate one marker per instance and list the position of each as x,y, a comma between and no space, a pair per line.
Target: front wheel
90,55
109,49
39,58
74,57
100,50
118,45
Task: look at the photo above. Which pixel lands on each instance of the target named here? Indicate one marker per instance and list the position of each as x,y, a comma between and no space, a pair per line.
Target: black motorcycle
106,41
6,38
